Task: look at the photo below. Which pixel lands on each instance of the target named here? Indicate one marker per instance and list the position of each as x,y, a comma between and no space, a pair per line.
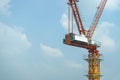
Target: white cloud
103,35
73,64
51,51
87,12
4,7
91,5
12,40
64,21
113,5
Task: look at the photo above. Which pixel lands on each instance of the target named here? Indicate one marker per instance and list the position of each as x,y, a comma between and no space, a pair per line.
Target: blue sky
31,34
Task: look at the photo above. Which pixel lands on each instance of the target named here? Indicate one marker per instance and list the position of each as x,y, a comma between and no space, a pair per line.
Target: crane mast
94,57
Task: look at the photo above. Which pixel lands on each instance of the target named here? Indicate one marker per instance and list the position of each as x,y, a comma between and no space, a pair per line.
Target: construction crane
84,38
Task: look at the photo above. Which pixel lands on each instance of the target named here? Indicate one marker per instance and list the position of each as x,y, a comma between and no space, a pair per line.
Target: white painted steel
84,40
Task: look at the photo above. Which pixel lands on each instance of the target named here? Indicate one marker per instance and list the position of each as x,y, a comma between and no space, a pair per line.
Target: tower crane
84,38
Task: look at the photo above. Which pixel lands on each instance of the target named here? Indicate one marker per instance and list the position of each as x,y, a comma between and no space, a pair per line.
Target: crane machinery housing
84,38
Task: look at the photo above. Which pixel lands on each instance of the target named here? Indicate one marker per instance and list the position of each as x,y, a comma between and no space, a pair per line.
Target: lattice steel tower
84,38
93,60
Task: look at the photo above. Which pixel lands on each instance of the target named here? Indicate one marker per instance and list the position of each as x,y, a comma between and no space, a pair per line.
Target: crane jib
96,18
77,17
